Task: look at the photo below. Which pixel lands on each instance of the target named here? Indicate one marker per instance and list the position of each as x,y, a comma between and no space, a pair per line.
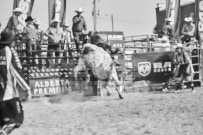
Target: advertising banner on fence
49,86
154,67
26,7
57,10
113,38
199,20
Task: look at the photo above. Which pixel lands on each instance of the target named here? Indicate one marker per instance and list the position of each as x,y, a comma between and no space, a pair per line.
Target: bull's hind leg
104,84
114,77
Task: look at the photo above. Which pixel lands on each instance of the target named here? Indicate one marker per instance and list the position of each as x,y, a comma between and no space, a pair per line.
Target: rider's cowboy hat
29,18
17,10
96,38
168,19
55,20
80,10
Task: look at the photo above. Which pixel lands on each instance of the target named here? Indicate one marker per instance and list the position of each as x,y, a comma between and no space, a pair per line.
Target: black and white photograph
101,67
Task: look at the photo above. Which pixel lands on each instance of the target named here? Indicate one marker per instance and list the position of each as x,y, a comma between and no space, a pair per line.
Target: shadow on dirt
71,97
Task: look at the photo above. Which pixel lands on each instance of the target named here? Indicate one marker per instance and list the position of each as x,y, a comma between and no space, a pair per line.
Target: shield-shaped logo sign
116,57
144,68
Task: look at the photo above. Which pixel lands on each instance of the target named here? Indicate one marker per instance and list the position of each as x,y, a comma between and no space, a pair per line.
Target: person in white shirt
54,34
67,38
188,30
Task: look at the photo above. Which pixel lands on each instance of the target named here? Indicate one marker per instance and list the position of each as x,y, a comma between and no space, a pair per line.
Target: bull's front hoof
120,97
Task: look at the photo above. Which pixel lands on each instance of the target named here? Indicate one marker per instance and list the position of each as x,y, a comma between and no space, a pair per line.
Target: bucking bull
100,64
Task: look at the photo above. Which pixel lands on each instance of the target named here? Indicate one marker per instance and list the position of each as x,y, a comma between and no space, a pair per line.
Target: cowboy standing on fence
11,112
188,30
79,28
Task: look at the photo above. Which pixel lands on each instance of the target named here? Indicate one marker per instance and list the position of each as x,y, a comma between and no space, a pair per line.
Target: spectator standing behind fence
166,29
31,37
54,34
13,23
79,28
188,30
67,38
40,33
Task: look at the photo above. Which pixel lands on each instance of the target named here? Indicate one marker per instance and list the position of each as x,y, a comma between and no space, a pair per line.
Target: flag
26,7
173,11
177,18
57,10
168,7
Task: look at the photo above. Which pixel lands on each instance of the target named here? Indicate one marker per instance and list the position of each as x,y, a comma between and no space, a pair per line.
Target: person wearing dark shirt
166,29
79,28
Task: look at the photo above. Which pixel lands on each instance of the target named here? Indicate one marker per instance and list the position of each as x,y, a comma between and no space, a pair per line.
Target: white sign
159,67
144,68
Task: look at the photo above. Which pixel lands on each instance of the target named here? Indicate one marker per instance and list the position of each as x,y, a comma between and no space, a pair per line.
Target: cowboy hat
36,21
55,20
79,10
189,19
66,25
29,18
168,19
179,45
17,10
186,19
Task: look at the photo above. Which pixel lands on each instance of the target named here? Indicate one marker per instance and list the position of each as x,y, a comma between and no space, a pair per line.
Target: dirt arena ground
137,114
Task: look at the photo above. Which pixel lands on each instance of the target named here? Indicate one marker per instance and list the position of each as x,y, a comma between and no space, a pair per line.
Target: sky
133,17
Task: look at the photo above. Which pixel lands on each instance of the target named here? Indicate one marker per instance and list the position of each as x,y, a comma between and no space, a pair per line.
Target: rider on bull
96,39
79,28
